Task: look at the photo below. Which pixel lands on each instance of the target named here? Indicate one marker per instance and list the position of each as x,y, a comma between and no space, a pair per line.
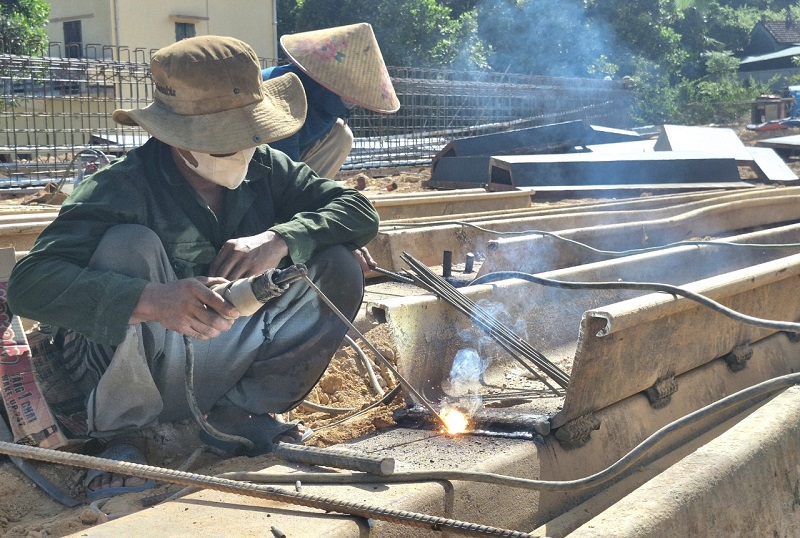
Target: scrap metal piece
486,421
339,459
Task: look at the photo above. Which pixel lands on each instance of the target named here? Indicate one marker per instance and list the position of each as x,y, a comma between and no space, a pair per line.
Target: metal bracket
738,357
660,394
577,432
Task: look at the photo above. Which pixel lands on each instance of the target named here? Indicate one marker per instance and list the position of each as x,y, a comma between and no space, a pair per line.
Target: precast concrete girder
536,253
624,340
427,243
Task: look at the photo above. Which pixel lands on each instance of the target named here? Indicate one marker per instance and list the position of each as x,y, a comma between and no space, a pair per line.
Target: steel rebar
400,379
518,348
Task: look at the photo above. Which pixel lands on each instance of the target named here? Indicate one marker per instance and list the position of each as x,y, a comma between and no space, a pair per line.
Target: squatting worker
124,271
340,68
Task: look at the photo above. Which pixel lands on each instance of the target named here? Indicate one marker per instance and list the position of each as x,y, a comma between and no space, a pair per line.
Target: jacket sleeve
52,283
315,212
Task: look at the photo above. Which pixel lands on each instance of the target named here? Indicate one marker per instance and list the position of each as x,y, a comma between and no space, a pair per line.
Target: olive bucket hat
347,61
209,98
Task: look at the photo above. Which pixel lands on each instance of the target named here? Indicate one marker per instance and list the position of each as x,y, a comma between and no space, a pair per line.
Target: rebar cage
53,107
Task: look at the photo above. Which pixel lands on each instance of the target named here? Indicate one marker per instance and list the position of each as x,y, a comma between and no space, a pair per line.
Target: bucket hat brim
280,115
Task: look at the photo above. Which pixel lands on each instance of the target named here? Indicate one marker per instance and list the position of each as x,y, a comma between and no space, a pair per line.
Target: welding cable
327,504
610,253
195,408
760,390
317,408
362,357
385,400
787,326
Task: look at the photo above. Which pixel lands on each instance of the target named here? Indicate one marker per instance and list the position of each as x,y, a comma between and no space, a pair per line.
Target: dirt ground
25,511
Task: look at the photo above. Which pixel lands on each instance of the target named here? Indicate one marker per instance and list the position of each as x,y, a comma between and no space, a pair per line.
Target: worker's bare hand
187,306
248,256
364,259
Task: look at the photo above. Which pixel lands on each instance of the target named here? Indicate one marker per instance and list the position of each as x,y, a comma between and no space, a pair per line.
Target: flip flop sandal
117,452
262,430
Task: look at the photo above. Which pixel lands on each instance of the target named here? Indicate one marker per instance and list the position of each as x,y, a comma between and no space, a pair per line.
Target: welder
126,270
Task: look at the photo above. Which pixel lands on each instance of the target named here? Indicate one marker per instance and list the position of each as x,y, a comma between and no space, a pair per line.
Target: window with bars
73,39
184,30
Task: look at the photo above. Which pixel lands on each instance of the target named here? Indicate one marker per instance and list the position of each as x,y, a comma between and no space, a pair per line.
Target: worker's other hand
248,256
187,306
364,259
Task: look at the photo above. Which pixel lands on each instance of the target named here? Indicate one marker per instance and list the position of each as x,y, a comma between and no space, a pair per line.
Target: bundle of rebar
518,348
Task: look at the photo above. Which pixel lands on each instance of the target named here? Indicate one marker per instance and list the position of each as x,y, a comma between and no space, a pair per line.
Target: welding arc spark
518,348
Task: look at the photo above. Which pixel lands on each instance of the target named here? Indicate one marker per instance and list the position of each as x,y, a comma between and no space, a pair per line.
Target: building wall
95,17
151,25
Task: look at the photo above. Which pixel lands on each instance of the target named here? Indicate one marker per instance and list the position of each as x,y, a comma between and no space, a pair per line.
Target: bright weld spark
455,421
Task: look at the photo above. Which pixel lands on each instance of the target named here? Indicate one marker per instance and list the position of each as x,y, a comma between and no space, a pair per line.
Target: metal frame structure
53,107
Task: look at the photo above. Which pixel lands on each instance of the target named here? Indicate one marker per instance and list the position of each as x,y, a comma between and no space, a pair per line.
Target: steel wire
787,326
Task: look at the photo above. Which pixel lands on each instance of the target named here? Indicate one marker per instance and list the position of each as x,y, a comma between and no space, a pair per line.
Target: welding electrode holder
248,295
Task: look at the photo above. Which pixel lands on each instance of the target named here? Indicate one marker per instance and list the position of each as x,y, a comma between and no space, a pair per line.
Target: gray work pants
266,363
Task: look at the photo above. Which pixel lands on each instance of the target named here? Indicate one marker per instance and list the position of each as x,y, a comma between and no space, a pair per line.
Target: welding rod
335,458
406,385
396,276
509,341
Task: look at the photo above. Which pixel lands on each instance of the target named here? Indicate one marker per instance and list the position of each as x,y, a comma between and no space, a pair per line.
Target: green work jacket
52,284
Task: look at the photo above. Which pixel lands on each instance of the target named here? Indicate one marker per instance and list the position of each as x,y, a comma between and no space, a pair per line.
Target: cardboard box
31,418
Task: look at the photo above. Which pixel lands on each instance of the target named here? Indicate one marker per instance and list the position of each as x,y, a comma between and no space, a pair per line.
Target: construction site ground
25,511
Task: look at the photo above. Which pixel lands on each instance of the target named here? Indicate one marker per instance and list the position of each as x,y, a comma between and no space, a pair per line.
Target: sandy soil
27,512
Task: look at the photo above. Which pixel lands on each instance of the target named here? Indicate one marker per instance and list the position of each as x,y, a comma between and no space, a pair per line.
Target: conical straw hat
347,61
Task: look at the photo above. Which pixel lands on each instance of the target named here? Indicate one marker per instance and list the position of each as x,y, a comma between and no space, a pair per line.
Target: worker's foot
102,484
263,431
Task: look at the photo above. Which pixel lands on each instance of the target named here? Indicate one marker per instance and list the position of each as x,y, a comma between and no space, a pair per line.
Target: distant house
772,46
129,30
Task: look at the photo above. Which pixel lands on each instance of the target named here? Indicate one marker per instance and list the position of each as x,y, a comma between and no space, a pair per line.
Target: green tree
419,33
520,39
22,24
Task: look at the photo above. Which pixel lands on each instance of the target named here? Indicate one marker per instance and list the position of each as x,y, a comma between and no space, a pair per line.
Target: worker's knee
336,271
133,250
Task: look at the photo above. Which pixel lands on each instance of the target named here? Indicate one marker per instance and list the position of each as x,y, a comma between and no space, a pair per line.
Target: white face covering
227,171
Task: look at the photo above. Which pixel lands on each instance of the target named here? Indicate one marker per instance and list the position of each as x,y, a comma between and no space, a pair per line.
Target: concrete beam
743,483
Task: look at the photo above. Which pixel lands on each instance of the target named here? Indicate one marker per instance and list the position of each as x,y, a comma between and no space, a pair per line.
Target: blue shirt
324,108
